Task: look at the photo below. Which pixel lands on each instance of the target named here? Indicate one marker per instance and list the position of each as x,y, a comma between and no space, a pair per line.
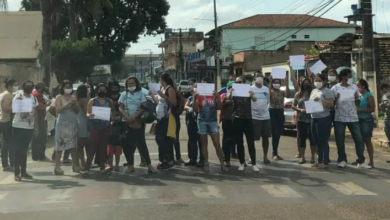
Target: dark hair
301,89
344,73
111,83
273,81
323,77
332,71
192,80
9,82
384,86
137,83
242,78
81,92
364,83
207,80
63,84
168,79
40,85
92,94
101,85
265,80
28,81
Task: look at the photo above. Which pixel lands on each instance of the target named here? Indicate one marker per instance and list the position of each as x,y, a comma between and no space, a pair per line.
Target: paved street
282,190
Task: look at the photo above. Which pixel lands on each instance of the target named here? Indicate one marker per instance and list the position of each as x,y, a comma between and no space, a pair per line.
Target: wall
335,60
382,54
254,60
244,39
20,71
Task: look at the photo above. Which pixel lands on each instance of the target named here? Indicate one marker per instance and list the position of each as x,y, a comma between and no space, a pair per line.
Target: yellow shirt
5,116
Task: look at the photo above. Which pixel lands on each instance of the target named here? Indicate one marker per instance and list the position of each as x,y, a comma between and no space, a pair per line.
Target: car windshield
96,79
184,83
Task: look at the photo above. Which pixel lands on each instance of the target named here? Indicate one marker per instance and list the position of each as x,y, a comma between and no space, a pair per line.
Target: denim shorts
207,128
366,127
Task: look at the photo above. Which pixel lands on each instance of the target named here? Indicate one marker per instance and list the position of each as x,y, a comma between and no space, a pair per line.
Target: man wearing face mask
39,142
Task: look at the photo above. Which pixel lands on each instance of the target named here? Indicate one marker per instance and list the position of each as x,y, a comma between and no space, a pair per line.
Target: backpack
180,103
149,114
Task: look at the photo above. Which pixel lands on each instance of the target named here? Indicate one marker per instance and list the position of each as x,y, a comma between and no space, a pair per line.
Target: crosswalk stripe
351,189
3,195
281,191
10,179
133,192
61,195
210,192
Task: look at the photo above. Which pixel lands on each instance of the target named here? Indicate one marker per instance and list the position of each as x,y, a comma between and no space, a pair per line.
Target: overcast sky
186,14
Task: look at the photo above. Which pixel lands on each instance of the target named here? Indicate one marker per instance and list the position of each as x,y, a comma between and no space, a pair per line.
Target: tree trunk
72,21
46,40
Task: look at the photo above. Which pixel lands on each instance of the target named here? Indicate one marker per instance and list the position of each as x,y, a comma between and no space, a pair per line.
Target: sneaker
364,165
342,164
241,167
256,168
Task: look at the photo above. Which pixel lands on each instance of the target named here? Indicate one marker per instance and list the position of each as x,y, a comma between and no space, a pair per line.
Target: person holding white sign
66,127
242,124
276,111
206,107
321,121
347,100
24,127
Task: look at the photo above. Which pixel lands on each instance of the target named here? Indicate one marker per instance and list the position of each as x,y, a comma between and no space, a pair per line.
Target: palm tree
3,5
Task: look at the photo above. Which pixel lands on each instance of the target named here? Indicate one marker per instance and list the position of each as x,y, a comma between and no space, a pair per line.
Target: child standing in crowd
385,106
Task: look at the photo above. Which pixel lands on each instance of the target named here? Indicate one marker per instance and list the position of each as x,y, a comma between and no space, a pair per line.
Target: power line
384,15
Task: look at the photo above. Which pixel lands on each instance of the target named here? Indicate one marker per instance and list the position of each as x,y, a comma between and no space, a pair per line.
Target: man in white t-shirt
347,96
260,115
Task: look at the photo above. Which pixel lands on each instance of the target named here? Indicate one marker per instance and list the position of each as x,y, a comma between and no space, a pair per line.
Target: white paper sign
346,95
241,90
102,113
312,106
205,88
278,73
298,60
154,87
22,105
318,67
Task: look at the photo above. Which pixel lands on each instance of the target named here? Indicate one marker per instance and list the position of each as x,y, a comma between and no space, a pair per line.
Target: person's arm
218,102
287,92
328,99
112,106
36,124
6,104
371,106
75,107
252,96
41,101
188,106
308,71
89,109
171,97
155,99
295,103
293,77
59,107
195,103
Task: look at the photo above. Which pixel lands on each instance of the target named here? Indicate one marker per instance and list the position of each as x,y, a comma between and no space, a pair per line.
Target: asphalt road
281,190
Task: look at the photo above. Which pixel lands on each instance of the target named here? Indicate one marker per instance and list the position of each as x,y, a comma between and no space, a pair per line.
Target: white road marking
388,181
61,195
350,189
10,179
281,191
210,192
133,192
3,195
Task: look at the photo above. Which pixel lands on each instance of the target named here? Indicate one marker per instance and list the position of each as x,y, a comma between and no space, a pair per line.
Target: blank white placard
205,88
298,60
154,87
102,113
318,67
312,106
241,90
22,105
278,73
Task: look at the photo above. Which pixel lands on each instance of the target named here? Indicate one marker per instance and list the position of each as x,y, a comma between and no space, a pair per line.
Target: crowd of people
260,116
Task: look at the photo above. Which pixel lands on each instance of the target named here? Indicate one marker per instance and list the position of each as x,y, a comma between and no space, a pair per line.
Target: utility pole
162,54
181,55
135,63
368,48
217,76
150,64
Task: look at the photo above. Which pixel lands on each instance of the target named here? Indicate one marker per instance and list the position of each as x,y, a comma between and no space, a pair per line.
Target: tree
74,60
312,51
3,5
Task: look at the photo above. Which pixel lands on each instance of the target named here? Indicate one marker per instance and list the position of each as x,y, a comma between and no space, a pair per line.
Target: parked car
288,111
183,86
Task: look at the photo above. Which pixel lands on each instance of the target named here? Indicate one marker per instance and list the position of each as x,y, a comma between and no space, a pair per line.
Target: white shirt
346,110
25,120
260,107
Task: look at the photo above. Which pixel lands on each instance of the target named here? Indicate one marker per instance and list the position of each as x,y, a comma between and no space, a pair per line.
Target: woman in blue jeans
321,120
366,120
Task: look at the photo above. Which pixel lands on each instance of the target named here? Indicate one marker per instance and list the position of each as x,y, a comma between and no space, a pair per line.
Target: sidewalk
379,139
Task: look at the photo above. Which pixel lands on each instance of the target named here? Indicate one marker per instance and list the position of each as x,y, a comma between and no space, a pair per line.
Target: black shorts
261,129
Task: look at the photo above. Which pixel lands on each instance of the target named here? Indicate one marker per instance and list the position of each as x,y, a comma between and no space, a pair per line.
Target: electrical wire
204,13
384,15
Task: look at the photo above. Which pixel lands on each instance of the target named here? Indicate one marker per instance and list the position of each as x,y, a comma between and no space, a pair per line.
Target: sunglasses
238,82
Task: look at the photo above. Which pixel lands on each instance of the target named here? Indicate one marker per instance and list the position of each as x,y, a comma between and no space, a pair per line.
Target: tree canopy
70,60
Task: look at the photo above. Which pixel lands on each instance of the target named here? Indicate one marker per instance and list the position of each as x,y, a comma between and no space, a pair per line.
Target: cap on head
230,84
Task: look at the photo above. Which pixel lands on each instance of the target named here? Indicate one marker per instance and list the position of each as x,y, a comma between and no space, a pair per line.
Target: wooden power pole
217,76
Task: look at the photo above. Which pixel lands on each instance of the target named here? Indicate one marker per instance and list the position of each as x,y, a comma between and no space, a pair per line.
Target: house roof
284,21
20,34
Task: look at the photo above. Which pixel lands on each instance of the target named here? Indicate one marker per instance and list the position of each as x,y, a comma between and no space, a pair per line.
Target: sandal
265,161
206,167
152,170
86,174
58,171
302,162
18,178
116,169
76,169
224,168
130,170
26,176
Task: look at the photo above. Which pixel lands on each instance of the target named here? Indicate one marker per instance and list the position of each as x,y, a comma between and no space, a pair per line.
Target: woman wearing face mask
66,127
332,80
276,110
347,100
82,120
366,120
7,151
130,102
304,120
99,129
321,121
24,127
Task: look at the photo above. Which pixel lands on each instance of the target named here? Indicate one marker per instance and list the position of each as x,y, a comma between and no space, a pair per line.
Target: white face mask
15,88
350,81
276,86
195,90
332,78
68,91
318,85
131,88
259,80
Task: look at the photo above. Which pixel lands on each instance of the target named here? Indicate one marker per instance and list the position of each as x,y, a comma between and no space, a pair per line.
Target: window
294,36
307,36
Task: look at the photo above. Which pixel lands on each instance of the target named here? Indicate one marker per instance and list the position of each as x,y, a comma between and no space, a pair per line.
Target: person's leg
35,147
302,136
143,148
80,148
7,151
192,143
225,140
17,136
27,134
94,136
312,145
118,152
102,147
131,142
238,125
367,126
266,133
339,132
323,128
316,137
203,132
162,141
42,137
177,141
248,131
354,128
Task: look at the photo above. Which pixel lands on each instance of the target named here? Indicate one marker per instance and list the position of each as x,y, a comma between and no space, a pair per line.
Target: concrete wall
382,62
255,60
234,40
